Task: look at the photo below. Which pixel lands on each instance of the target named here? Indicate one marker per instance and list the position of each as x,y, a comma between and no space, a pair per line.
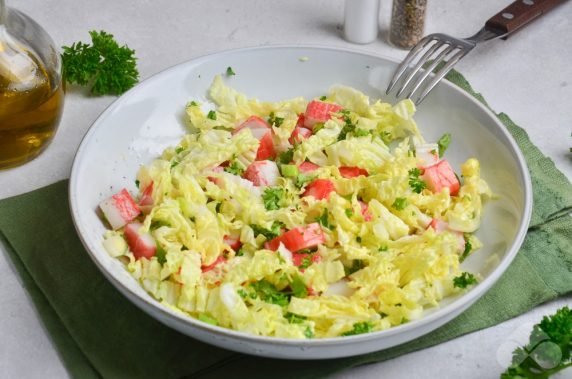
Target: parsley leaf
161,255
286,156
443,143
306,262
357,265
467,250
242,293
110,69
464,280
416,184
362,132
298,287
271,233
211,115
193,104
276,121
323,220
359,328
349,126
400,203
294,318
230,71
548,350
235,168
302,180
308,332
323,97
208,319
269,293
272,197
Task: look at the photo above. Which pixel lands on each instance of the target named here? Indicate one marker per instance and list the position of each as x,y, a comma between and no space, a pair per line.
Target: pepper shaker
361,19
407,22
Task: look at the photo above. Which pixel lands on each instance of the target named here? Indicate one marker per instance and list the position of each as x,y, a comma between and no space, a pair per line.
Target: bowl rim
455,307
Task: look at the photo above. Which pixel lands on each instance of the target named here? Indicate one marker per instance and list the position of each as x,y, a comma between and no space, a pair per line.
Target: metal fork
440,52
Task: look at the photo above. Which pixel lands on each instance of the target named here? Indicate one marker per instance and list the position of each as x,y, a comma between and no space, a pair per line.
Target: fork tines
435,52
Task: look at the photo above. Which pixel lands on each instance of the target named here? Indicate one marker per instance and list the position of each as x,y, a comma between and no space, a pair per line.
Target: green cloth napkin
99,333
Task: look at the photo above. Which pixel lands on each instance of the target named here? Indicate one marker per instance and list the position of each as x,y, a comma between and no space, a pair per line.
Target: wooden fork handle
518,14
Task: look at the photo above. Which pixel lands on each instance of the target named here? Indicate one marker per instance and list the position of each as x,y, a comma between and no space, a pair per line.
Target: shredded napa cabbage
381,263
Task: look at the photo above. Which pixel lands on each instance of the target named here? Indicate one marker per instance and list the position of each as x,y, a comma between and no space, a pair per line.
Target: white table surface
528,77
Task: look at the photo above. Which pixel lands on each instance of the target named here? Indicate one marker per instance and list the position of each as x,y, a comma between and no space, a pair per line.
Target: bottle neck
2,12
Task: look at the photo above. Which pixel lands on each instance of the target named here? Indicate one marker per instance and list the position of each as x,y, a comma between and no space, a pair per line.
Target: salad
300,219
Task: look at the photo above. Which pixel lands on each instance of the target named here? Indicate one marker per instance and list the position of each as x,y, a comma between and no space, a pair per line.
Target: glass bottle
31,93
407,22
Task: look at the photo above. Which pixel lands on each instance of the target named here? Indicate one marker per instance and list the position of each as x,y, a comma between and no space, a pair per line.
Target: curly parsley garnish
359,328
269,293
235,168
211,115
272,197
349,126
324,220
467,250
548,350
110,69
400,203
275,121
298,287
271,233
286,156
416,184
464,280
294,318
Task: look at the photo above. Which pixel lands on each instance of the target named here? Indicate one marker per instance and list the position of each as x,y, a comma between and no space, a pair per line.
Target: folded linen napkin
99,333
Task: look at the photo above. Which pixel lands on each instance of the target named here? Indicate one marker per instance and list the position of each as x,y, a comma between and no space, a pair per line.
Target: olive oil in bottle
31,102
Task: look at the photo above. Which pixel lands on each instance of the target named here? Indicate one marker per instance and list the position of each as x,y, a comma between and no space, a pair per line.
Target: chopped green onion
443,143
289,170
400,203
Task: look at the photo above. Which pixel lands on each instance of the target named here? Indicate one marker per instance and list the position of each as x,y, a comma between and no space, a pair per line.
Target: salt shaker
361,21
407,22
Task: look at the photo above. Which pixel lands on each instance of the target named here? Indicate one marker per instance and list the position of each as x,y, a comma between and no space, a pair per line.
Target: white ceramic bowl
141,123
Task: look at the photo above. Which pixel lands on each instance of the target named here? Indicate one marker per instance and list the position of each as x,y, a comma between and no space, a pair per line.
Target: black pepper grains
407,22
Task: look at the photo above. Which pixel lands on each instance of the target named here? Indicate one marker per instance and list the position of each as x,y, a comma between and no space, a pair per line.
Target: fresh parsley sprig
110,69
464,280
416,183
548,351
359,328
400,203
271,233
273,197
235,168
